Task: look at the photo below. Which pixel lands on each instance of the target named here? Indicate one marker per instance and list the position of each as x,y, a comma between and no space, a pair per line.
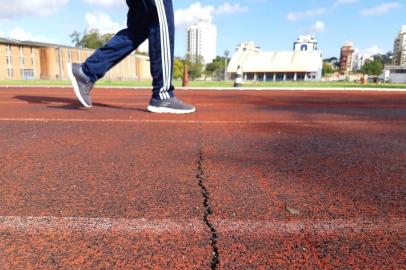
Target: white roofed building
277,66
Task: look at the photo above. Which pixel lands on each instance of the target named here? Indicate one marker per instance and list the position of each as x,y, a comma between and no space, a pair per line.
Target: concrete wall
398,77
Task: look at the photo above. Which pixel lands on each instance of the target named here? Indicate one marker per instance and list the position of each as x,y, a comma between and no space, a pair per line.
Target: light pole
226,53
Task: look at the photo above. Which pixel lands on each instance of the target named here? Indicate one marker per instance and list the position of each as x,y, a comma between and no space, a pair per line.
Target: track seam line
242,89
79,120
215,259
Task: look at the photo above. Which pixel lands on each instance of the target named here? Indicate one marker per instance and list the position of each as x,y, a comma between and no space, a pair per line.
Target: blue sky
272,24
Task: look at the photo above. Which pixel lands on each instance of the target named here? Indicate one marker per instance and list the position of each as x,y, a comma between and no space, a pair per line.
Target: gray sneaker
81,84
172,105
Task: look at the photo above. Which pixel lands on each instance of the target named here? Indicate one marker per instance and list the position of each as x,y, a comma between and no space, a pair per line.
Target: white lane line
38,224
318,227
82,120
359,225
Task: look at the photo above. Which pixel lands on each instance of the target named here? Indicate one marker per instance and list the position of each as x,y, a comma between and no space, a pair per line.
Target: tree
334,62
327,69
385,59
374,67
91,39
178,68
76,38
195,66
216,69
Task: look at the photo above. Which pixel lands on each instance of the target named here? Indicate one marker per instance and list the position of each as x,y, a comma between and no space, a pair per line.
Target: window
9,60
22,61
10,73
27,74
290,77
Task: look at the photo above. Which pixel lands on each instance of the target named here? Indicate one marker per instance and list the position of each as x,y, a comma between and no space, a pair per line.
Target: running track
254,180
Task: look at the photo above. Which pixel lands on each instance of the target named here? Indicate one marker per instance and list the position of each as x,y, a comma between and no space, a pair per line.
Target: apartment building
201,41
399,50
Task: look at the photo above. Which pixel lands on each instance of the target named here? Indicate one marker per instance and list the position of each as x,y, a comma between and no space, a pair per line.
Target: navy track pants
147,19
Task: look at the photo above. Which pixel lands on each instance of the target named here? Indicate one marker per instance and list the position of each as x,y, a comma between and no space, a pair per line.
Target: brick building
347,58
25,60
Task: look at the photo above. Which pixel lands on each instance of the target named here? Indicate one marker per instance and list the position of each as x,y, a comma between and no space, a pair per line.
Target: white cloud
1,34
20,34
196,12
108,3
102,22
228,8
192,14
294,16
368,52
381,9
18,8
317,27
344,2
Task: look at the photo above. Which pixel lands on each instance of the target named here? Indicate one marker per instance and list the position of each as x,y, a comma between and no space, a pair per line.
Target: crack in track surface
215,260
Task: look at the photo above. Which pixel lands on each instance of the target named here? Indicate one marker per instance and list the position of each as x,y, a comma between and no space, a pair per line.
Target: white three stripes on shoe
165,50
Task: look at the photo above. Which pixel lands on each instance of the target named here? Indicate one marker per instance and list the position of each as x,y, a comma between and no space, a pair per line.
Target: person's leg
161,48
83,76
161,52
122,44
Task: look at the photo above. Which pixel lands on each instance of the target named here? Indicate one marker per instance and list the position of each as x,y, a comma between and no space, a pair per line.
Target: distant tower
305,43
201,40
399,51
346,58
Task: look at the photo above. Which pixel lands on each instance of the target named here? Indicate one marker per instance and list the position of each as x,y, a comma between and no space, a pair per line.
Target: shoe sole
76,86
169,110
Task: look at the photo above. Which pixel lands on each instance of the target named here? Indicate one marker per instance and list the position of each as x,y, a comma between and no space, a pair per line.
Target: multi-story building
201,41
399,51
396,73
25,60
305,43
19,61
357,60
346,58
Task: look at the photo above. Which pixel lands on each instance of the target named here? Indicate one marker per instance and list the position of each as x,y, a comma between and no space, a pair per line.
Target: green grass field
204,84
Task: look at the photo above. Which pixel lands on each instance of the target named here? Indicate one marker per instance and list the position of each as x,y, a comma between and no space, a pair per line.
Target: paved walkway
253,180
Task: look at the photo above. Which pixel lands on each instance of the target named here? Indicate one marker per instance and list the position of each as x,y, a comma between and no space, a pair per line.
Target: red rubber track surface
253,180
